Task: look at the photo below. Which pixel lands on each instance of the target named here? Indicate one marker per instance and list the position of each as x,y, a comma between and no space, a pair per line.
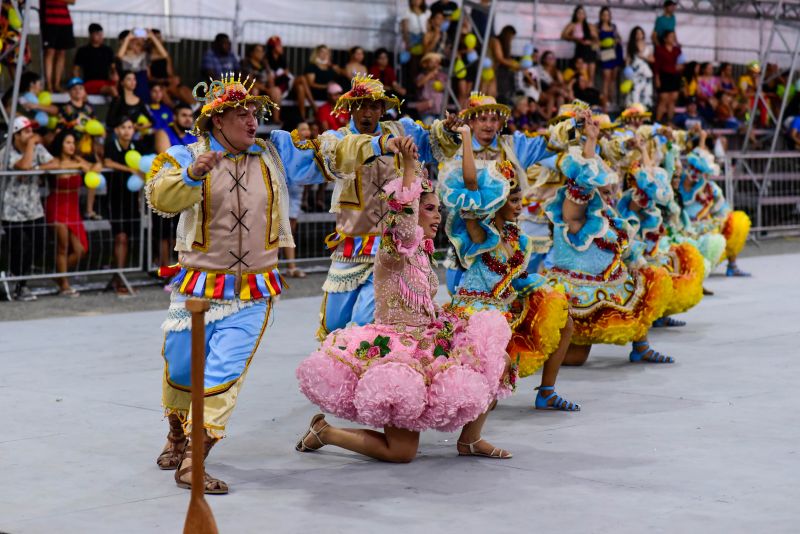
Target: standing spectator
640,58
434,38
479,15
134,58
382,70
123,204
505,66
256,67
22,213
94,63
57,38
610,56
748,82
128,104
413,25
448,9
584,35
664,23
355,63
668,79
63,208
160,112
555,91
177,132
794,132
219,58
162,71
430,87
318,74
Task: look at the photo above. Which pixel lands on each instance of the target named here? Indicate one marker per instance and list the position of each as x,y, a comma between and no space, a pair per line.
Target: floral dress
416,367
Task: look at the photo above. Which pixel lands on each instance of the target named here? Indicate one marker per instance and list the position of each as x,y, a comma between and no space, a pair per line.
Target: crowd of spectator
148,108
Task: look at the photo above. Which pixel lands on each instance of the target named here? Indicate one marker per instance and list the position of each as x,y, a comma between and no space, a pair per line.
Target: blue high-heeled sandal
648,355
668,322
560,403
734,270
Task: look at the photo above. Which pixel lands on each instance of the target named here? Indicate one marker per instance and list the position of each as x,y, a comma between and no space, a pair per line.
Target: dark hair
723,66
632,49
27,79
181,105
689,71
249,49
122,120
122,76
57,147
123,34
506,36
95,27
587,31
353,50
600,16
221,37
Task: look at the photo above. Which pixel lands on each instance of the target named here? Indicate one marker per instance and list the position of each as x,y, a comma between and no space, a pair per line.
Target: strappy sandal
648,355
559,402
211,485
667,322
301,445
296,273
734,270
497,453
70,292
170,458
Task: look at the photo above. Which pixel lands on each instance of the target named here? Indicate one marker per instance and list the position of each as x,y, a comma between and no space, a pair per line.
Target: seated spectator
747,92
527,80
30,86
525,116
318,74
794,132
22,213
726,112
134,57
63,210
689,81
123,204
283,77
447,8
74,114
255,66
726,82
355,63
430,87
707,83
128,104
555,91
219,58
57,38
413,25
176,132
383,71
160,112
94,64
161,71
691,117
434,38
325,117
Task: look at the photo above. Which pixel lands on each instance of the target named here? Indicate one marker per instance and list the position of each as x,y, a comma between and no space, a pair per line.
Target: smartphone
140,32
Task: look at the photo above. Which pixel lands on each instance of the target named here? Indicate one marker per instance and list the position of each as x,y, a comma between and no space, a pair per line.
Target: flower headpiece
570,111
479,103
364,87
634,111
506,170
604,121
230,91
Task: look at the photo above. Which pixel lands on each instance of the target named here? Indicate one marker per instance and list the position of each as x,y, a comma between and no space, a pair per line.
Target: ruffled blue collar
477,147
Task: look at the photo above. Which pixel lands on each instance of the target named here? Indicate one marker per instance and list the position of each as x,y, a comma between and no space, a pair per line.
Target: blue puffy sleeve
530,150
586,173
486,200
301,160
434,143
467,250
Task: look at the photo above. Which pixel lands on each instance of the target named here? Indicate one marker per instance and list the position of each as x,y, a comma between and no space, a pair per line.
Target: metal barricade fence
767,187
48,237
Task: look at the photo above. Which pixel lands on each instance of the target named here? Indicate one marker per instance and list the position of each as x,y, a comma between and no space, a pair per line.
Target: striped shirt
56,13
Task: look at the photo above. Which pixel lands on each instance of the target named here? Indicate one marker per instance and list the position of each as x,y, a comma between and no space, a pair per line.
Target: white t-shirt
417,22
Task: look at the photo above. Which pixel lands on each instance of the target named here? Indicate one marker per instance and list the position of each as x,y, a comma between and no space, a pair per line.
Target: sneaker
24,294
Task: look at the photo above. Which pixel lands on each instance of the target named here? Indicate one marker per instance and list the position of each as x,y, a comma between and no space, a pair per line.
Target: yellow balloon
460,69
456,14
608,42
488,74
91,179
95,128
132,158
52,122
143,120
45,98
626,86
438,86
13,19
417,50
470,41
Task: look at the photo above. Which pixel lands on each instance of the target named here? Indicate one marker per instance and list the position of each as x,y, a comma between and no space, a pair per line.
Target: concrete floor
707,445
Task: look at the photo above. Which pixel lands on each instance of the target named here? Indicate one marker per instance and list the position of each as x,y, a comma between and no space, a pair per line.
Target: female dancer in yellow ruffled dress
484,205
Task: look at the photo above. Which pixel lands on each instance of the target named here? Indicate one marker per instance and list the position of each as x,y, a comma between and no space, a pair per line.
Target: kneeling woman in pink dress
415,368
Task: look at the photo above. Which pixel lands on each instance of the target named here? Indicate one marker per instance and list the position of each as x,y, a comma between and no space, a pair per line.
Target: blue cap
74,81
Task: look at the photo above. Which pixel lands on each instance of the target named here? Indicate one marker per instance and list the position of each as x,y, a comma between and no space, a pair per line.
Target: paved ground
708,445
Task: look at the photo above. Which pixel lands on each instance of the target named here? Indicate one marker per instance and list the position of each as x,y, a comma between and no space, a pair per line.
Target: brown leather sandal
211,485
301,445
172,454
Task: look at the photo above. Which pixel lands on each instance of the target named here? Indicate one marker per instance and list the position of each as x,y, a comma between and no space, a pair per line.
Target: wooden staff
199,519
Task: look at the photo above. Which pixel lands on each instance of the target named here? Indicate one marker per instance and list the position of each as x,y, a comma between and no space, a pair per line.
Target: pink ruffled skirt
441,376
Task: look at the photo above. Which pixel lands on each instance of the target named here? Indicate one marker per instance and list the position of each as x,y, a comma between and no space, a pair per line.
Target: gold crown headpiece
229,91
